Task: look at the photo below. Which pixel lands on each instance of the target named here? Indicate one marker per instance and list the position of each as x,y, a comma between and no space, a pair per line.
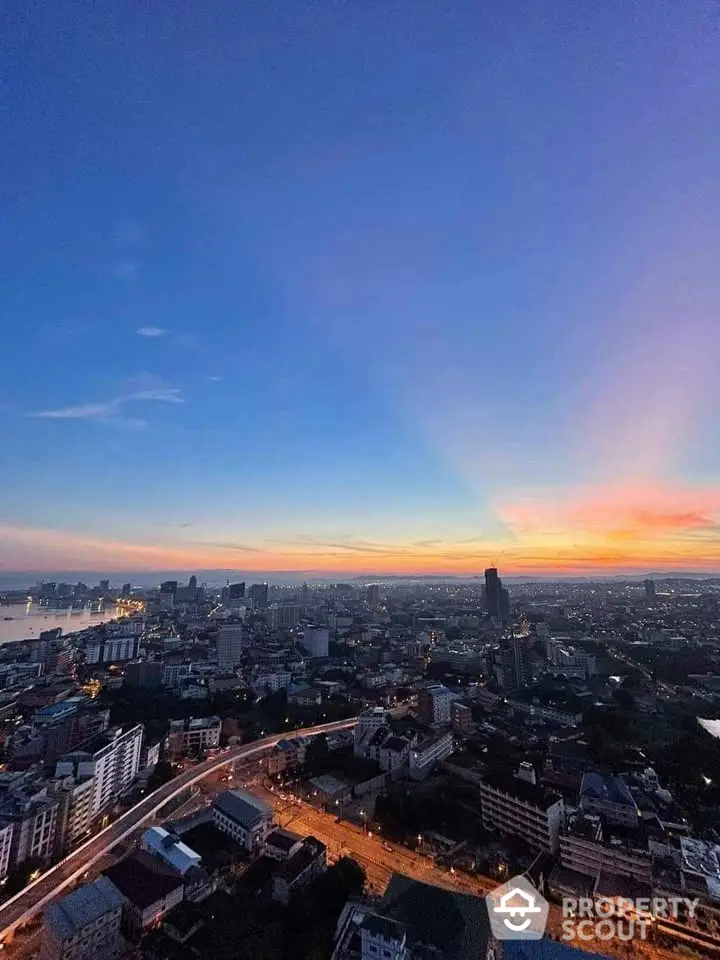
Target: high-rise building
192,583
514,662
169,586
127,589
497,598
113,762
259,593
649,589
373,593
230,646
105,586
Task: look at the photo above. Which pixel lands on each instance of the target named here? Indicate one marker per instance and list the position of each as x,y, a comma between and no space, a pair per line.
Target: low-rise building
245,818
193,735
299,869
150,890
287,755
282,844
171,850
609,797
514,806
425,754
84,925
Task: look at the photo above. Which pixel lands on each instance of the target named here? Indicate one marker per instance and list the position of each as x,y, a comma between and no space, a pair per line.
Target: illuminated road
21,908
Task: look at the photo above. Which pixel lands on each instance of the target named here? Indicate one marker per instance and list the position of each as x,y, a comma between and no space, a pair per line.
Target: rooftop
283,840
81,907
242,806
299,862
143,880
528,792
596,786
455,924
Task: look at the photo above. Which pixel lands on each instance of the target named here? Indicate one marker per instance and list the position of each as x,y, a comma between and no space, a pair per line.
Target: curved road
21,908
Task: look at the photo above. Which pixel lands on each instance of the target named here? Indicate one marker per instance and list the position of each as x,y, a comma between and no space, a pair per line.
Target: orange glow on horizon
617,529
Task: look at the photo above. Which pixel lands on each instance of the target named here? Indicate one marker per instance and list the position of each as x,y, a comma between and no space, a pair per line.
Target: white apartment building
85,924
194,735
426,754
112,650
113,765
272,681
516,807
6,833
368,723
316,640
31,813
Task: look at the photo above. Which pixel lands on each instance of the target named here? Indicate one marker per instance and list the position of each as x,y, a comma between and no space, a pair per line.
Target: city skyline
365,289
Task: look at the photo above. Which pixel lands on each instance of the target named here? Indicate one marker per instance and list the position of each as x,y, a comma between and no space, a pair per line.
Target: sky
358,286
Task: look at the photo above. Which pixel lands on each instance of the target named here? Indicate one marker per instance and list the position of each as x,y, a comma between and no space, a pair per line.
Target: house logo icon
517,911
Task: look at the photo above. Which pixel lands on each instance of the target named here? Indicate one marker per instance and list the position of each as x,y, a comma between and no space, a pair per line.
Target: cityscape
360,480
322,769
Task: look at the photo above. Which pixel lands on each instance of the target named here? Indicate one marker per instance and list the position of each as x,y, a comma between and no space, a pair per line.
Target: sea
23,621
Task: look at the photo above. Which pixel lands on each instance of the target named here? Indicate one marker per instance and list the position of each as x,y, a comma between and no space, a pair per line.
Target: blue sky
359,285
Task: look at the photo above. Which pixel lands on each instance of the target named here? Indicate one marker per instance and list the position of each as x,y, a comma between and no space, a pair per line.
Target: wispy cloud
151,332
110,412
215,379
224,545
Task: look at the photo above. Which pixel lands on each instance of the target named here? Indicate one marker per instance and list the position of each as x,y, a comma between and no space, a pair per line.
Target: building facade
516,807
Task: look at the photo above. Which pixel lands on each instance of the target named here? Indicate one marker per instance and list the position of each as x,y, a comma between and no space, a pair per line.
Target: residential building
514,662
112,762
144,674
316,641
149,887
569,660
6,833
434,704
159,842
514,806
243,817
193,735
461,718
609,797
287,755
272,682
75,811
426,753
112,649
299,869
283,616
368,723
84,925
229,646
258,592
32,811
649,586
590,845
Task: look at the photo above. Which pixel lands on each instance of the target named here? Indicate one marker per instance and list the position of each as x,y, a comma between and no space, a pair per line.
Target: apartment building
588,845
434,704
287,755
30,811
85,924
75,811
514,806
112,762
194,735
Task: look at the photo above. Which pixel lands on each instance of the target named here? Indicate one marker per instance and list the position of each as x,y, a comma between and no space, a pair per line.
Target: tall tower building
514,662
649,589
229,646
259,593
193,582
497,598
